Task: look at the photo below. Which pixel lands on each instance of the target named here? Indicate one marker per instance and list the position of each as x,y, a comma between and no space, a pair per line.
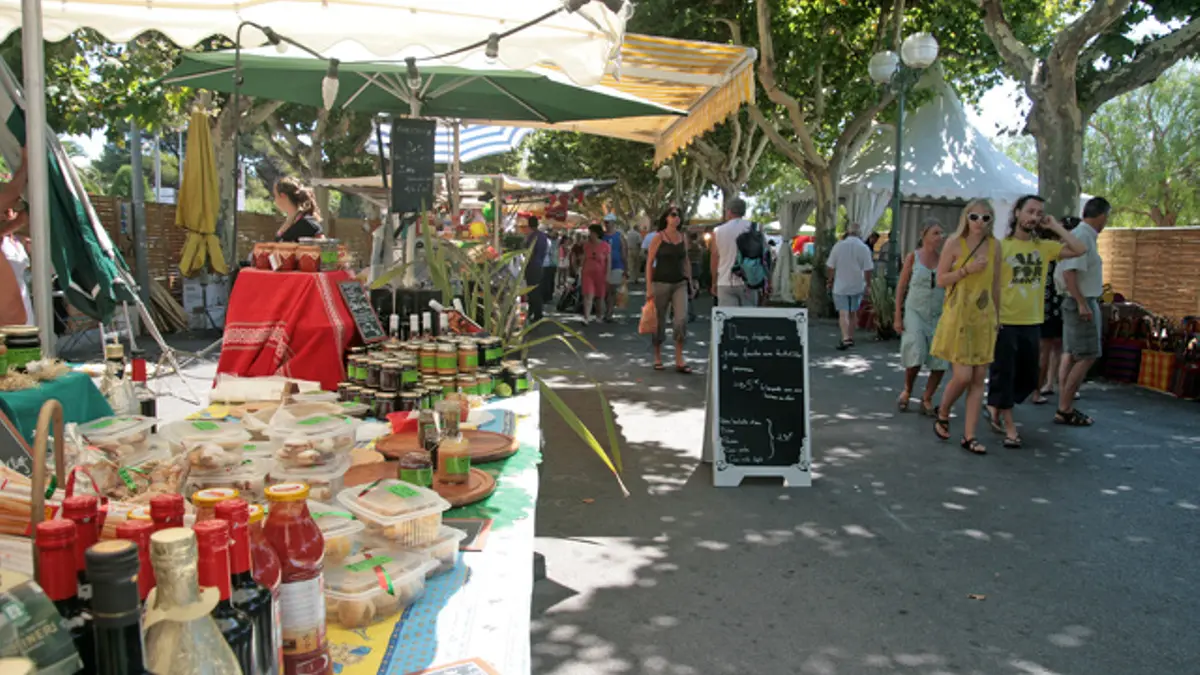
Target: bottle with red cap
248,595
139,531
298,542
147,402
84,511
166,511
266,568
57,574
212,543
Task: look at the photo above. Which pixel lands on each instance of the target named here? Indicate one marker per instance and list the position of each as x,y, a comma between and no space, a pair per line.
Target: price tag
402,490
205,425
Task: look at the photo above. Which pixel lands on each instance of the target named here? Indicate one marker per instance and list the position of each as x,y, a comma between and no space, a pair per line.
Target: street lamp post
898,74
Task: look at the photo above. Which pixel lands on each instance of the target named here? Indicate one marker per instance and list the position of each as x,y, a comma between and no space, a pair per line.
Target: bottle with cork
212,544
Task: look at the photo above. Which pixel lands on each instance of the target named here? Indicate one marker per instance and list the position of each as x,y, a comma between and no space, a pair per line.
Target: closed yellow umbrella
199,200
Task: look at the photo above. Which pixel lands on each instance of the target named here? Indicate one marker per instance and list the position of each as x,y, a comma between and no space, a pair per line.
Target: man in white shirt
1081,283
729,289
850,264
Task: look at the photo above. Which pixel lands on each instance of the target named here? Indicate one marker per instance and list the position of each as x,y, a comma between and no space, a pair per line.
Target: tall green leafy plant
491,291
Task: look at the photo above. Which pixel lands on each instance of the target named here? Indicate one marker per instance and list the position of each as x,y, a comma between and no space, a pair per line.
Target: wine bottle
139,531
212,540
247,594
57,574
113,568
181,636
147,401
166,511
84,511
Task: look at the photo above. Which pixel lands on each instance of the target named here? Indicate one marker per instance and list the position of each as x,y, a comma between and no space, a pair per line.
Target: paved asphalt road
1076,555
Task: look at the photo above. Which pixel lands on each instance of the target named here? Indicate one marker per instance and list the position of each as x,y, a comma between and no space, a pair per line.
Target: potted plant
883,303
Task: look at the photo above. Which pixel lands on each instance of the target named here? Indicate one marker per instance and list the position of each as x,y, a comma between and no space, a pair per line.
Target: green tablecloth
81,402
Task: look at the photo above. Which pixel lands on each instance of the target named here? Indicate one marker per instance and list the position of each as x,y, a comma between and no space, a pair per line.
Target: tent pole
34,61
455,177
138,212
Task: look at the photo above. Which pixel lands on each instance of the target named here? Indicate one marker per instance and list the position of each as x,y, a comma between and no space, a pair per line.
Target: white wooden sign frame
731,475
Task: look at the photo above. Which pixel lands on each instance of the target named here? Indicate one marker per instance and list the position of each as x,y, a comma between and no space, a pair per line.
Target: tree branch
1151,60
257,114
734,145
783,145
293,152
766,75
1019,57
854,134
1069,41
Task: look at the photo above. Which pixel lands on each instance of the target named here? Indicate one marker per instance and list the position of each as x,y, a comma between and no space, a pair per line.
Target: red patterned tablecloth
293,324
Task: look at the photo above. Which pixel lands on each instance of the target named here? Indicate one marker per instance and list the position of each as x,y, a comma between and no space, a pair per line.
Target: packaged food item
316,397
209,456
339,528
248,478
443,550
324,482
397,511
313,441
228,435
353,409
119,437
260,450
140,478
369,587
416,467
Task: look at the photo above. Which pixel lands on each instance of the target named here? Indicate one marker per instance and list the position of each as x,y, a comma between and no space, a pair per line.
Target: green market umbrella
535,95
88,266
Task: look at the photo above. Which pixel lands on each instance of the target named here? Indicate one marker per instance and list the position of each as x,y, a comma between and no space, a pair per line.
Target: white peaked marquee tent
576,36
947,162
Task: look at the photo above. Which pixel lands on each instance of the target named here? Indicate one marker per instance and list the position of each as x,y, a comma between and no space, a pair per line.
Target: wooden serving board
484,446
482,484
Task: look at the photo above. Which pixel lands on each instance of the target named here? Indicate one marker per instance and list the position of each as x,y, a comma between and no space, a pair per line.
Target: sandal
1072,418
659,366
941,427
992,421
928,409
843,345
902,402
684,369
1013,442
973,446
1039,399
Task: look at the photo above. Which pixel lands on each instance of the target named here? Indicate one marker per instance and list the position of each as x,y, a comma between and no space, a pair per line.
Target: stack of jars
414,375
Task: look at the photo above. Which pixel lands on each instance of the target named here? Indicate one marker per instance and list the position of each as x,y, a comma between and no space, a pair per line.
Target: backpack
752,265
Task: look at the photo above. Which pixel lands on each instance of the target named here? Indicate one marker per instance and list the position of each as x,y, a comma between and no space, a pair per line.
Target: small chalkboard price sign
759,395
412,144
14,451
359,304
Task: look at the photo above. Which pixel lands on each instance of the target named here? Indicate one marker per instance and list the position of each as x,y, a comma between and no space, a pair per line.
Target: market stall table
81,402
294,324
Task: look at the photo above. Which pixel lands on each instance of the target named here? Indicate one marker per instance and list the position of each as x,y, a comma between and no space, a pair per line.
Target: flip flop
659,366
992,422
1039,399
683,370
1012,442
928,409
973,446
941,427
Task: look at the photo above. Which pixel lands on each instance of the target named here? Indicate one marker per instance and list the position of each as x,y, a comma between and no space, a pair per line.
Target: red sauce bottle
166,511
297,540
139,531
84,511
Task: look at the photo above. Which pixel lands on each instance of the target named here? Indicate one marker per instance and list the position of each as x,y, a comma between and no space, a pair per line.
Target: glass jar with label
454,460
493,352
450,416
517,377
344,391
385,404
408,401
374,366
484,384
447,359
448,384
468,356
417,468
296,539
429,352
465,382
409,375
389,376
366,396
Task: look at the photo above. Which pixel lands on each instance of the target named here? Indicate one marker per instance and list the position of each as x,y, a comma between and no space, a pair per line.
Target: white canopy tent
581,43
947,161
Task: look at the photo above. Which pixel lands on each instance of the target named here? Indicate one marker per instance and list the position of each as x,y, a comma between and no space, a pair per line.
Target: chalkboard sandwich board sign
412,143
365,318
759,403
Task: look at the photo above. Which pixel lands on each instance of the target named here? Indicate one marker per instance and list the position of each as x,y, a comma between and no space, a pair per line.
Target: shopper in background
969,270
918,309
536,243
550,267
669,280
1025,256
727,287
16,307
633,246
617,274
1050,349
597,263
1080,280
850,265
299,206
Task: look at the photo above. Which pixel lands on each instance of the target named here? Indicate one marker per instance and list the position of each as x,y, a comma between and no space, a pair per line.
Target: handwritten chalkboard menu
361,310
759,395
412,164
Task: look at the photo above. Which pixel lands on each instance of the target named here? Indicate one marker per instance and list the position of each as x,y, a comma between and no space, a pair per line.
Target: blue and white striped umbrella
474,141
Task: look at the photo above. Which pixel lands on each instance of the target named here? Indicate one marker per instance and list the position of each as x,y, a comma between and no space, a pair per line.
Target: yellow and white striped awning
710,81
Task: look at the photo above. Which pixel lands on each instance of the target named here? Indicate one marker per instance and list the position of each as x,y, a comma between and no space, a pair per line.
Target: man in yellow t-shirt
1025,256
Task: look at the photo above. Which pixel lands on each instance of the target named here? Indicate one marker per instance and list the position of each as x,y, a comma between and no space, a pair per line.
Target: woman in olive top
669,279
303,219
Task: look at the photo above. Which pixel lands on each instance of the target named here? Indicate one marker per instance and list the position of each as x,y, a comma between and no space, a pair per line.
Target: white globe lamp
919,50
883,66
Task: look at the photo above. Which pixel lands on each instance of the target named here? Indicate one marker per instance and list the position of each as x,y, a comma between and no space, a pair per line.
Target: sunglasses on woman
985,217
673,213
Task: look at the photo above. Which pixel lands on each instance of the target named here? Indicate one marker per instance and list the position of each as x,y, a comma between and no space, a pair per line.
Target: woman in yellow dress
969,270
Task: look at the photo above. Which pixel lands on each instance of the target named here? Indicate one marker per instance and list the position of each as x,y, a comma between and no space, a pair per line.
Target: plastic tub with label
324,482
443,550
397,511
119,437
316,440
228,435
370,587
338,526
247,477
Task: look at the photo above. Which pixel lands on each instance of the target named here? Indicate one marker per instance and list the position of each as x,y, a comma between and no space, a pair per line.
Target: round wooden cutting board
485,446
481,486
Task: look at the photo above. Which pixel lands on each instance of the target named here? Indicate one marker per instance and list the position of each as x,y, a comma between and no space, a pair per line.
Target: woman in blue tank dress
918,309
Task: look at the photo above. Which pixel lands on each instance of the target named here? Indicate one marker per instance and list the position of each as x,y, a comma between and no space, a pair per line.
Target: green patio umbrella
89,267
535,95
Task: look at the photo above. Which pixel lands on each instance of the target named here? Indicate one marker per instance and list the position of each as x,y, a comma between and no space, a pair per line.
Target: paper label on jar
457,466
302,615
428,360
493,354
419,477
313,420
409,376
447,362
522,384
472,359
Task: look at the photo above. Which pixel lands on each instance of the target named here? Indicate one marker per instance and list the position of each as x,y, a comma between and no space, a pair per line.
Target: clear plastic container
248,478
260,450
152,473
354,409
357,591
339,528
316,397
397,511
443,550
324,482
119,437
229,435
316,440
